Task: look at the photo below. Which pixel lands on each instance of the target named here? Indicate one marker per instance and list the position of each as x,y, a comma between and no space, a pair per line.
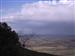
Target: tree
25,40
8,41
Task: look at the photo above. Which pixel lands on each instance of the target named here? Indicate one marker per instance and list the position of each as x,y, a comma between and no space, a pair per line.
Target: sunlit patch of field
55,50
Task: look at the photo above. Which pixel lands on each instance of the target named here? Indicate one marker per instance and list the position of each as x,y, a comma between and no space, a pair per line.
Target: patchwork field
63,46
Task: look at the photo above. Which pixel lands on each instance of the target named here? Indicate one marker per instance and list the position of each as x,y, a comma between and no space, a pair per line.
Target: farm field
63,46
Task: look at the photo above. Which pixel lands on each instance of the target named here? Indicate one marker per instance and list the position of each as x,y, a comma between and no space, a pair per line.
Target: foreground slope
10,46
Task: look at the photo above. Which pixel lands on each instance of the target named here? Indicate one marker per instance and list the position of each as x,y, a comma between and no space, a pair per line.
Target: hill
10,45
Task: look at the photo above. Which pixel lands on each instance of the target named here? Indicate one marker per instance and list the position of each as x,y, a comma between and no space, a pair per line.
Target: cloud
43,17
56,28
43,11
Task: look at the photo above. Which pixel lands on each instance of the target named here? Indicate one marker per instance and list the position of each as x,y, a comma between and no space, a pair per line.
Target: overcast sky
39,16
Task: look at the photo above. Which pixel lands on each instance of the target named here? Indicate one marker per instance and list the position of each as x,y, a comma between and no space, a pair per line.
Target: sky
39,16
